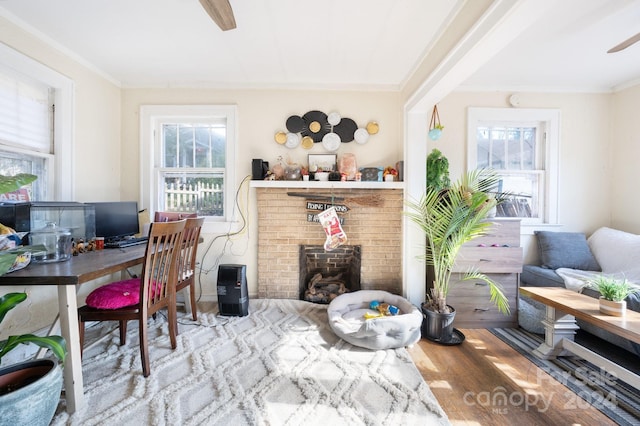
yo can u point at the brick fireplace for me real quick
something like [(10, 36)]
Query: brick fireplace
[(373, 222)]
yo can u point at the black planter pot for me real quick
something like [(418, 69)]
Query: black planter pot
[(437, 326), (35, 401)]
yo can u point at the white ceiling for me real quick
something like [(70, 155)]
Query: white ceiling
[(341, 44)]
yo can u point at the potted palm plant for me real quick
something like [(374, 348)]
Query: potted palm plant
[(612, 294), (450, 218)]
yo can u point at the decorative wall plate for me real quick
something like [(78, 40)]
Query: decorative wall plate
[(314, 127), (345, 129), (311, 129), (307, 142), (334, 118), (295, 124), (361, 136), (293, 140), (280, 137), (372, 127), (331, 142)]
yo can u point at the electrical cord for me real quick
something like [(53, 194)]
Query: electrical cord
[(198, 323), (226, 235), (229, 234)]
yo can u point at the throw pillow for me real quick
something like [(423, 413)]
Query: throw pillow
[(565, 250), (616, 251)]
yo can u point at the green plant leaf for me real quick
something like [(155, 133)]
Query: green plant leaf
[(612, 289), (6, 261), (437, 170), (12, 183), (56, 344), (10, 301)]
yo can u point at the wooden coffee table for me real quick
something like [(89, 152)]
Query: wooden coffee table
[(563, 307)]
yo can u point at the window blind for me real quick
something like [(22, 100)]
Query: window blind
[(24, 114)]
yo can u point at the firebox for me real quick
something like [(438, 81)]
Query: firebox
[(325, 275)]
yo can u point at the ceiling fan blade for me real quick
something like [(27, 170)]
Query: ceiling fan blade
[(628, 42), (221, 13)]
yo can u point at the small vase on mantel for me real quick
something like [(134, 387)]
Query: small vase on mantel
[(609, 307)]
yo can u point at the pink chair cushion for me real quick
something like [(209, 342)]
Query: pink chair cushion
[(115, 295)]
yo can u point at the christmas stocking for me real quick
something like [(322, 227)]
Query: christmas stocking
[(331, 224)]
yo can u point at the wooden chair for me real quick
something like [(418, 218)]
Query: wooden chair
[(171, 216), (191, 237), (139, 298), (187, 262)]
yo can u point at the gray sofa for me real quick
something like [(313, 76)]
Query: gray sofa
[(569, 259)]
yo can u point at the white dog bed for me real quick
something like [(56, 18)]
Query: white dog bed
[(346, 318)]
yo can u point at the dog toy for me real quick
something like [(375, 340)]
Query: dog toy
[(384, 309)]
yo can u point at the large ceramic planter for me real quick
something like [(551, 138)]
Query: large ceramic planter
[(616, 309), (437, 326), (34, 403)]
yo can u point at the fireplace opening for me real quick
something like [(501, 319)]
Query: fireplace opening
[(324, 275)]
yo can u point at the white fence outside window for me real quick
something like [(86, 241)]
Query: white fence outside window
[(204, 198)]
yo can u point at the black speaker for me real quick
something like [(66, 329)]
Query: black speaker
[(233, 296), (259, 169)]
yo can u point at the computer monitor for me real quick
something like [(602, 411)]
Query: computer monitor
[(117, 219)]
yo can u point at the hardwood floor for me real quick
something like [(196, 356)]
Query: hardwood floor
[(469, 380)]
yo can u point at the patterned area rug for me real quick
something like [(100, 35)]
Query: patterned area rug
[(594, 386), (280, 365)]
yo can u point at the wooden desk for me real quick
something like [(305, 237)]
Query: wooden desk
[(67, 275), (563, 307)]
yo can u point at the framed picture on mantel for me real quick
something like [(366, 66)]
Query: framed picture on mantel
[(322, 162)]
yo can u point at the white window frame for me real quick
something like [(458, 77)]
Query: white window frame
[(514, 117), (61, 164), (151, 117)]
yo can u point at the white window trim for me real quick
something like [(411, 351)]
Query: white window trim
[(552, 119), (150, 115), (63, 167)]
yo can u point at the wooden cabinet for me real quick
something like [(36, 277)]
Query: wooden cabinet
[(499, 256)]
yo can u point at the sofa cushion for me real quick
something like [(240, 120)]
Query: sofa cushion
[(565, 250), (537, 276), (615, 250)]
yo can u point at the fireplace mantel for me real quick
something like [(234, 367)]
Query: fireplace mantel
[(324, 184)]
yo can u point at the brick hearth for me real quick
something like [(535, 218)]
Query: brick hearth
[(283, 227)]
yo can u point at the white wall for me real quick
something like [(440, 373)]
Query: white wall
[(625, 138), (96, 163), (585, 176), (262, 113)]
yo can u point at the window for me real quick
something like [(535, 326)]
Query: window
[(25, 132), (13, 162), (29, 94), (521, 145), (188, 159)]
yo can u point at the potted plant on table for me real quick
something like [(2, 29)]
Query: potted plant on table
[(451, 217), (612, 294)]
